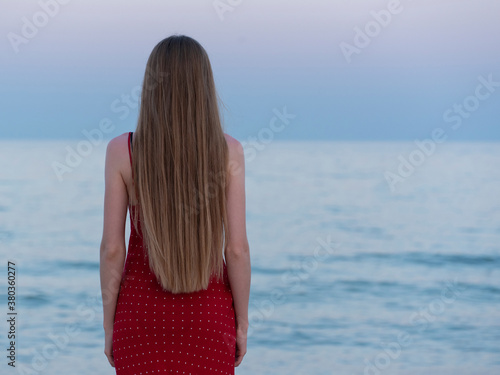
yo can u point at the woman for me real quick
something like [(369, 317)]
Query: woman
[(179, 304)]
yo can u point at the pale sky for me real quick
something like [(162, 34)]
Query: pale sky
[(424, 56)]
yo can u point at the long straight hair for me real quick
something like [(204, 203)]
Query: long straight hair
[(180, 167)]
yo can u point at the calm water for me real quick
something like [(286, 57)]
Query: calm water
[(349, 277)]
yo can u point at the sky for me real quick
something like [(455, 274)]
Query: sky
[(321, 69)]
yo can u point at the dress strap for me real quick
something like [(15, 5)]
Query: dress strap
[(131, 165), (130, 149)]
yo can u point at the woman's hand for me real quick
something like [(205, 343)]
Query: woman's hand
[(241, 345), (108, 347)]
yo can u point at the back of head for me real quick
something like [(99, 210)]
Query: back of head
[(180, 164)]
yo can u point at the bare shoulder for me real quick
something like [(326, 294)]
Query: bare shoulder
[(118, 143), (235, 147), (117, 150), (117, 146), (236, 165)]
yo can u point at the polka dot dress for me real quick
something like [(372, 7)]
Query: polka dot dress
[(158, 332)]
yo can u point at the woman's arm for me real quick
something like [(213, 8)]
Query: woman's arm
[(112, 252), (237, 252)]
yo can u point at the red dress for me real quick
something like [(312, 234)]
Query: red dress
[(159, 332)]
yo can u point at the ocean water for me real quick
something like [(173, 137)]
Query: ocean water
[(349, 276)]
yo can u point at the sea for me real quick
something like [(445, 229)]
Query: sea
[(367, 257)]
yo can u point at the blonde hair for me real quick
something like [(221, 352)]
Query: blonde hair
[(180, 167)]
